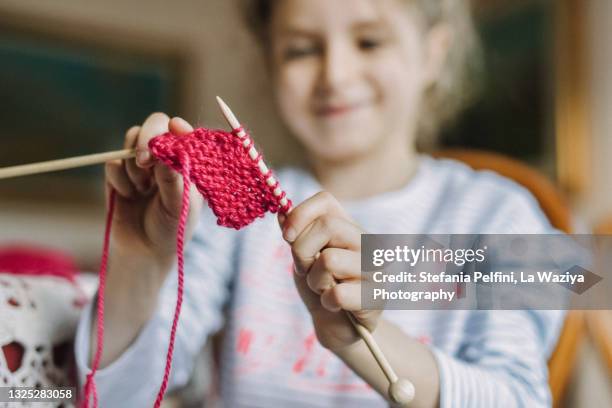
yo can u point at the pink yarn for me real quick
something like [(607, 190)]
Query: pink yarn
[(90, 384), (218, 163)]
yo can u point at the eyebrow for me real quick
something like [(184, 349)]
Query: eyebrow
[(297, 32), (356, 27), (369, 25)]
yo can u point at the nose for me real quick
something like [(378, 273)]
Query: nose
[(338, 68)]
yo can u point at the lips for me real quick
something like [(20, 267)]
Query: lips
[(337, 110)]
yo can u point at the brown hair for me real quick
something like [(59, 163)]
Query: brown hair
[(458, 82)]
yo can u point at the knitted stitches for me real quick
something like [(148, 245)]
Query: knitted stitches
[(230, 181), (238, 188)]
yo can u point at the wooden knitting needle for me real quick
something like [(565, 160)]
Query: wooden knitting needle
[(96, 158), (400, 390), (62, 164), (239, 131)]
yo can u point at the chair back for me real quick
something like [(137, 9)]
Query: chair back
[(563, 359)]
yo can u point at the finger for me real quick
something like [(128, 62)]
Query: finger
[(325, 231), (332, 266), (179, 126), (130, 137), (118, 179), (155, 125), (311, 299), (140, 177), (305, 213), (170, 185), (343, 296), (169, 181)]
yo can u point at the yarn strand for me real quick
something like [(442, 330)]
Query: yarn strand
[(90, 384), (239, 188), (180, 237)]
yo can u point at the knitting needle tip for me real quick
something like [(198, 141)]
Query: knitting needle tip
[(229, 115)]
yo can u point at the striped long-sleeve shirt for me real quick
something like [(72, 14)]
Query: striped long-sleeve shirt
[(241, 280)]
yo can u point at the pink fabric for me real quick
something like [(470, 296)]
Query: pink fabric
[(218, 163), (27, 259)]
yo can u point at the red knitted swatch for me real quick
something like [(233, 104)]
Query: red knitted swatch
[(227, 177), (219, 164)]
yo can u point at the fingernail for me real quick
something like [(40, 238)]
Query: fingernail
[(143, 156), (182, 121), (289, 234)]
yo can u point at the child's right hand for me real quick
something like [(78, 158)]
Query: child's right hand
[(143, 243), (149, 196)]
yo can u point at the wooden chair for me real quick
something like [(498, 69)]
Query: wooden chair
[(599, 322), (551, 201)]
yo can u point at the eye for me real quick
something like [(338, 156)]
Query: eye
[(369, 43), (292, 53)]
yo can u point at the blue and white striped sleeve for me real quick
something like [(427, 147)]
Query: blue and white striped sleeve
[(502, 360), (502, 356), (134, 378)]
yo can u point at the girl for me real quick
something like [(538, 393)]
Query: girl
[(356, 82)]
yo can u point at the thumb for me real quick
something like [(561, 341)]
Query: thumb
[(310, 298), (170, 186), (169, 181), (179, 126)]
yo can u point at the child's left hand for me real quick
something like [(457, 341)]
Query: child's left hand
[(326, 248)]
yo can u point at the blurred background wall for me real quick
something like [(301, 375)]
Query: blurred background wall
[(213, 56), (549, 65), (596, 203)]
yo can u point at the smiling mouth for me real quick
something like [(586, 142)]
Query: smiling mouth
[(337, 110)]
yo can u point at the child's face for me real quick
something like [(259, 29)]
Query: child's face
[(348, 74)]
